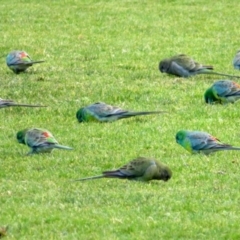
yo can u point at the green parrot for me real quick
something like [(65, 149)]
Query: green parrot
[(236, 60), (102, 112), (18, 61), (184, 66), (139, 169), (39, 140), (201, 142), (222, 91), (10, 103)]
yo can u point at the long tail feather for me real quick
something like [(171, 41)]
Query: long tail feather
[(132, 114), (233, 148), (21, 105), (33, 62), (63, 147), (89, 178), (26, 63), (223, 148), (222, 74), (114, 174), (208, 67)]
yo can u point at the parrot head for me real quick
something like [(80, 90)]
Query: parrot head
[(209, 96), (163, 66), (182, 139), (80, 115), (165, 174), (21, 136), (180, 136)]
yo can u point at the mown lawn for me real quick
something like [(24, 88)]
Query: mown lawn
[(109, 51)]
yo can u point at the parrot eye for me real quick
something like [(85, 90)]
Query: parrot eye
[(162, 68), (79, 116), (179, 137), (166, 176), (19, 136)]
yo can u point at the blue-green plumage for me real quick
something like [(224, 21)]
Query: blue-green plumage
[(39, 140), (102, 112), (201, 142), (18, 61), (222, 91)]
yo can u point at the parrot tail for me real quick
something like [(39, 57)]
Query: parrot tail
[(234, 148), (225, 147), (208, 67), (117, 174), (63, 147), (132, 114), (33, 62), (223, 74), (20, 105), (89, 178)]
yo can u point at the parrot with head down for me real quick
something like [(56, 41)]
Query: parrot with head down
[(222, 91), (39, 140), (201, 142), (102, 112), (10, 103), (139, 169), (19, 61), (184, 66)]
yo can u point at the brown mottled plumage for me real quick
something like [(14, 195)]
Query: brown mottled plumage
[(140, 169)]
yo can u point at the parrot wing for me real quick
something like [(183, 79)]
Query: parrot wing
[(185, 61), (39, 137), (133, 169), (104, 110)]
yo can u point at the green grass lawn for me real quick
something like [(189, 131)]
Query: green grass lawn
[(109, 51)]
